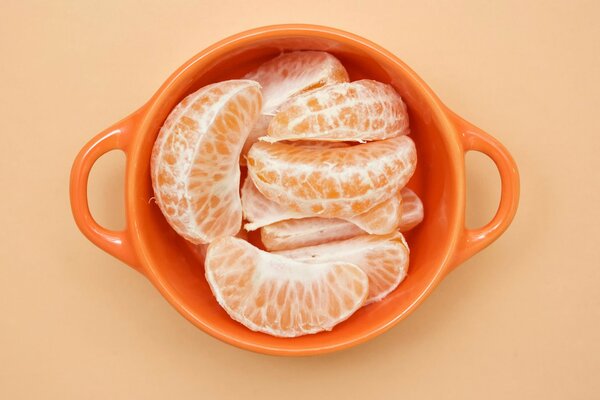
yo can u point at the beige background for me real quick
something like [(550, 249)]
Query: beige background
[(519, 320)]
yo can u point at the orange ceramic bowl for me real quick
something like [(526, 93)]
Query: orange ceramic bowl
[(438, 245)]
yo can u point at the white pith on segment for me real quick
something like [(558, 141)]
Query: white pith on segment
[(279, 296), (296, 72), (412, 210), (260, 211), (287, 75), (360, 111), (338, 182), (195, 160), (294, 233), (383, 258)]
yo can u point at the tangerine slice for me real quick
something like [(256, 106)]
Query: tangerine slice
[(293, 73), (359, 111), (279, 296), (382, 219), (260, 211), (332, 182), (383, 258), (412, 210), (195, 160), (294, 233), (287, 75)]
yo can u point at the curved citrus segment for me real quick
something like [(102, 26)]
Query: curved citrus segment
[(332, 182), (360, 111), (294, 233), (293, 73), (194, 165), (287, 75), (277, 295), (260, 129), (260, 211), (383, 258), (382, 219), (412, 210)]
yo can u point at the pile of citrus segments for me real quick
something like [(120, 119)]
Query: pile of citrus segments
[(325, 162)]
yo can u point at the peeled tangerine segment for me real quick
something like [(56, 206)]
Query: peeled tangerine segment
[(195, 160), (260, 211), (412, 210), (383, 258), (359, 111), (332, 182), (279, 296), (287, 75), (292, 234), (292, 73)]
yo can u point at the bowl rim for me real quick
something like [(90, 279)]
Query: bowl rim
[(448, 132)]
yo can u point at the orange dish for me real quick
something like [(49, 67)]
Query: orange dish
[(175, 266)]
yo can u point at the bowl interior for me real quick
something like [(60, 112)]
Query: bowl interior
[(174, 265)]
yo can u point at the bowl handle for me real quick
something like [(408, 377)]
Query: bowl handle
[(472, 241), (116, 243)]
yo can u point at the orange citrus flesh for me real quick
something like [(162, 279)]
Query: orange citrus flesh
[(330, 213), (195, 160), (412, 210), (277, 295), (359, 111), (332, 182), (287, 75), (382, 219), (293, 73), (294, 233), (383, 258)]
